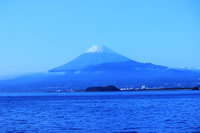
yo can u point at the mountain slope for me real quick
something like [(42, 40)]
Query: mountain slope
[(125, 66), (95, 55), (122, 78)]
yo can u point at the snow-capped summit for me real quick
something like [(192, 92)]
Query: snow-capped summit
[(101, 56), (93, 56), (99, 49)]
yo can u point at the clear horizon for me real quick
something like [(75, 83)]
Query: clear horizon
[(38, 35)]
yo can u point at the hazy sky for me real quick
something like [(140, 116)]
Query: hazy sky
[(37, 35)]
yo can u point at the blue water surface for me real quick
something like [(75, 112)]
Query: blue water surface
[(117, 112)]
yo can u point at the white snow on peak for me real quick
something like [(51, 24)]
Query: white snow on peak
[(95, 48), (98, 49)]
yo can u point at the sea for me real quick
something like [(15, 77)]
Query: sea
[(101, 112)]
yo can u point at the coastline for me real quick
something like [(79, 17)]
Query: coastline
[(84, 91)]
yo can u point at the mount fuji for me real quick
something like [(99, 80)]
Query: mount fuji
[(100, 66), (99, 56), (93, 56)]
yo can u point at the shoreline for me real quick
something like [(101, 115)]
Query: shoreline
[(84, 91)]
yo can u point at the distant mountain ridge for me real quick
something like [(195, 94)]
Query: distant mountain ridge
[(101, 66), (97, 55), (125, 66)]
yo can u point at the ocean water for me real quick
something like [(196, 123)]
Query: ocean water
[(110, 112)]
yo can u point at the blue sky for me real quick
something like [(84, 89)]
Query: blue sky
[(37, 35)]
